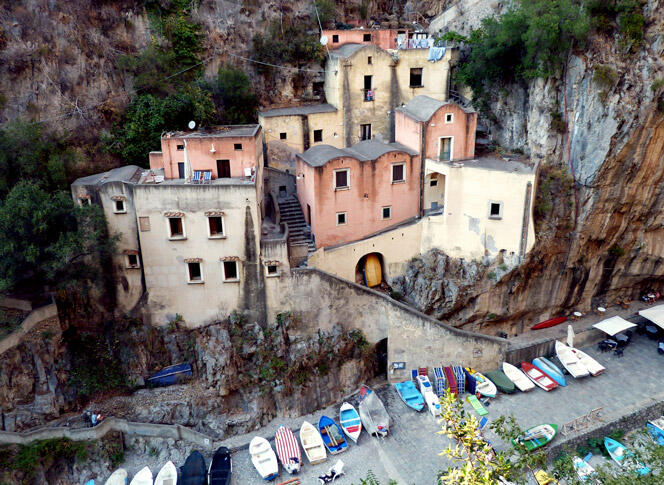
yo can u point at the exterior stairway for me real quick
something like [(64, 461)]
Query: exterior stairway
[(298, 231)]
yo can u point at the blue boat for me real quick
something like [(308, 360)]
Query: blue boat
[(622, 456), (332, 435), (173, 374), (656, 430), (551, 369), (410, 395)]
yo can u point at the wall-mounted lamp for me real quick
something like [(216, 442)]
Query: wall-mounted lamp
[(212, 150)]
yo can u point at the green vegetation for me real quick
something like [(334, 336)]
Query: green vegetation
[(27, 459), (554, 181), (657, 84), (605, 76), (235, 101), (9, 322), (558, 123), (287, 43), (326, 11), (624, 16), (616, 251)]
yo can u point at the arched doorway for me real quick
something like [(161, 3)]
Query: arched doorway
[(370, 270)]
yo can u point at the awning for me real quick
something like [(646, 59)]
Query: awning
[(614, 325), (654, 314)]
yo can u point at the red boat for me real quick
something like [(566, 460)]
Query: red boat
[(539, 377), (549, 323), (450, 380)]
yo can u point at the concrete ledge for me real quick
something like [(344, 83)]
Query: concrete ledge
[(30, 322), (24, 305)]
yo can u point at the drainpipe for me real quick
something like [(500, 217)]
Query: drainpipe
[(423, 127)]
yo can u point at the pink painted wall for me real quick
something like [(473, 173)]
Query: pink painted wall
[(363, 214), (200, 157), (383, 38), (462, 129), (407, 131)]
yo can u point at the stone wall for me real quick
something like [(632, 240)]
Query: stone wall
[(321, 300)]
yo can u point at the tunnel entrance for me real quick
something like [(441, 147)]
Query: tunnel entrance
[(370, 270)]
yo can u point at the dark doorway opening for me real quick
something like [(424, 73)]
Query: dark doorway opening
[(381, 358)]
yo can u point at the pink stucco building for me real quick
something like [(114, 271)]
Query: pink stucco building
[(347, 194), (225, 151), (383, 38), (441, 130)]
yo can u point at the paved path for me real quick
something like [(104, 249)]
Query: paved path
[(410, 454)]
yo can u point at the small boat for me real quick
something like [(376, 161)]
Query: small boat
[(373, 413), (551, 369), (539, 377), (312, 444), (552, 322), (410, 395), (143, 477), (221, 467), (173, 374), (450, 380), (193, 472), (519, 379), (543, 478), (168, 475), (460, 377), (583, 469), (656, 430), (118, 477), (482, 384), (537, 436), (501, 381), (594, 367), (372, 270), (433, 404), (570, 361), (90, 482), (471, 383), (332, 435), (350, 421), (623, 457), (288, 450), (263, 458)]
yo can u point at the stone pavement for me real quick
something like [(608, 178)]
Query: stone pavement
[(410, 454)]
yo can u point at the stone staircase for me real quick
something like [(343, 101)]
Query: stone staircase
[(298, 232)]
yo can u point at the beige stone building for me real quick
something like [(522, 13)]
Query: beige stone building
[(364, 84)]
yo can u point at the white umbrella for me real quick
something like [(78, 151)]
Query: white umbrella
[(654, 314), (570, 336), (614, 325)]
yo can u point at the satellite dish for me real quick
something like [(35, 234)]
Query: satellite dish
[(323, 40), (192, 125)]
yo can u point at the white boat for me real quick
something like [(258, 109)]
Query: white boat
[(483, 385), (168, 475), (570, 361), (350, 422), (118, 477), (264, 458), (594, 367), (433, 403), (519, 379), (143, 477), (312, 443), (583, 469)]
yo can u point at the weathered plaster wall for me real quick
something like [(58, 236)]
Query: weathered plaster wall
[(294, 125), (435, 75), (461, 129), (383, 38), (413, 337)]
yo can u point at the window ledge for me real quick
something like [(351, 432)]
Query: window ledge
[(495, 218), (272, 275), (177, 238), (195, 282), (398, 182), (235, 280), (119, 212), (221, 236), (413, 87), (341, 188), (132, 267)]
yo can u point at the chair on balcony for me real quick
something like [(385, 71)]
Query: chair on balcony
[(196, 179), (207, 176)]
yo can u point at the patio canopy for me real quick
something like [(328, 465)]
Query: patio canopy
[(614, 325), (654, 314)]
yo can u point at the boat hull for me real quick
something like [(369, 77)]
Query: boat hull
[(332, 435), (540, 378), (350, 421), (552, 322), (312, 444), (538, 436), (410, 395), (501, 381), (372, 412), (544, 364), (288, 450)]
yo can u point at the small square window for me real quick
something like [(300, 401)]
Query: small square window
[(366, 38), (132, 261), (231, 271), (495, 210), (369, 60), (194, 272), (180, 147), (216, 226), (341, 179), (282, 135), (398, 173), (416, 77), (238, 146), (144, 223), (119, 207), (318, 135), (272, 270), (433, 183), (175, 228), (341, 218), (449, 118), (335, 38), (84, 201), (387, 212)]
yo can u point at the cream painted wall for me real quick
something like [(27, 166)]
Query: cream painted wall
[(435, 75), (163, 260), (293, 126)]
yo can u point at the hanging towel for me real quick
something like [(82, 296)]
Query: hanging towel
[(436, 53)]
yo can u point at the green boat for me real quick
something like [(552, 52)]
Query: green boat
[(538, 436), (501, 381)]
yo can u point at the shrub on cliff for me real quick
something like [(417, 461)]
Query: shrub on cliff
[(233, 96), (286, 44)]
